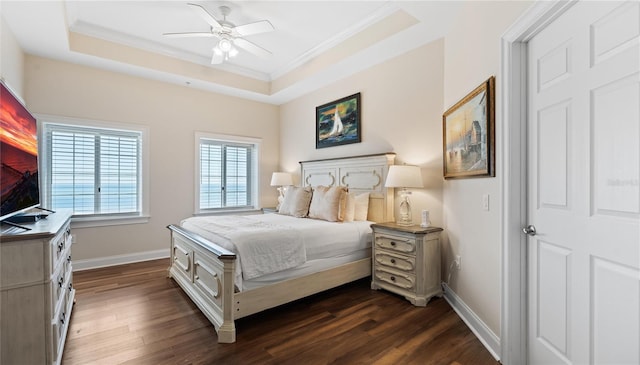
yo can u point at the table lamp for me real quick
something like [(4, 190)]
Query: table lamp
[(281, 180), (404, 176)]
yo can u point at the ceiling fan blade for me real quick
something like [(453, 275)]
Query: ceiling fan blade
[(189, 34), (262, 26), (251, 47), (204, 14), (217, 58)]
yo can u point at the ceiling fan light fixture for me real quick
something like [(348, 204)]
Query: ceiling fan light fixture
[(230, 36), (225, 45)]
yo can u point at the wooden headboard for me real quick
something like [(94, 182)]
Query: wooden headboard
[(360, 174)]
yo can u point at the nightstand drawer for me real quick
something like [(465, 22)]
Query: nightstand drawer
[(396, 278), (406, 263), (396, 243)]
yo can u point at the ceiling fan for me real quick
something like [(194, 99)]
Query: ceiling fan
[(229, 35)]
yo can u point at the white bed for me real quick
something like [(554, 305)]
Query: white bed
[(205, 264)]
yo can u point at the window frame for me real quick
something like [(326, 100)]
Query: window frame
[(255, 166), (102, 219)]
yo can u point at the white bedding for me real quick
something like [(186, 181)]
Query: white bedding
[(309, 267), (319, 239), (264, 247)]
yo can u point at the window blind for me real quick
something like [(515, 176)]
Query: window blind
[(94, 171), (225, 175)]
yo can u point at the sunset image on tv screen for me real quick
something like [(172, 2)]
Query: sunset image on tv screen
[(18, 155)]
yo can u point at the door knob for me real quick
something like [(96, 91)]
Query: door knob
[(529, 230)]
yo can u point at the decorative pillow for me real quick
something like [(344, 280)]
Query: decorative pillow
[(328, 203), (349, 207), (361, 210), (296, 201)]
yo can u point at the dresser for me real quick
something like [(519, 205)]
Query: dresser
[(36, 291), (406, 261)]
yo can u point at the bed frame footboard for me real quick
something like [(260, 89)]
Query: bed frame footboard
[(205, 272)]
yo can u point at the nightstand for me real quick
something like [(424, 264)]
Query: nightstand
[(406, 261)]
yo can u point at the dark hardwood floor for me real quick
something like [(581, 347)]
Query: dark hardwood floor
[(134, 314)]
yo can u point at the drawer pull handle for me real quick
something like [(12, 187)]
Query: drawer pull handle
[(60, 246), (62, 318), (60, 281), (70, 286), (69, 258), (393, 261)]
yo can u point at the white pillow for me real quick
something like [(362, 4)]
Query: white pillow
[(328, 203), (361, 207), (296, 201)]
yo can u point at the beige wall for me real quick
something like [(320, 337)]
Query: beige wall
[(11, 60), (472, 55), (401, 113), (172, 114)]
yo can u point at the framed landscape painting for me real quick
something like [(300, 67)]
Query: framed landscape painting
[(469, 134), (338, 122)]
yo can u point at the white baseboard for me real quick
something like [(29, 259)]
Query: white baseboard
[(477, 326), (79, 265)]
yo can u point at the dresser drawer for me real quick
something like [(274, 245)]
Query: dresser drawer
[(57, 290), (395, 243), (406, 263), (396, 278), (60, 247), (59, 325)]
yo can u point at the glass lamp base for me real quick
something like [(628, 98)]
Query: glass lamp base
[(403, 223), (405, 218)]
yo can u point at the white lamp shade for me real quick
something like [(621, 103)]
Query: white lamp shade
[(404, 176), (281, 179)]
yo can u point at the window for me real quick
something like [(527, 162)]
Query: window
[(95, 171), (227, 170)]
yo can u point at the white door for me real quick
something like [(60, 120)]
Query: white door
[(584, 186)]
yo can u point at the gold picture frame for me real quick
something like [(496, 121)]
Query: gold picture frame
[(468, 130)]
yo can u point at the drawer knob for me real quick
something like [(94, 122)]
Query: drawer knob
[(393, 243), (393, 278), (393, 261)]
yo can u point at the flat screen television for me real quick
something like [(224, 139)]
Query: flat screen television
[(18, 156)]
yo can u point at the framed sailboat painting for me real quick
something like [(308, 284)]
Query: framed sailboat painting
[(338, 122)]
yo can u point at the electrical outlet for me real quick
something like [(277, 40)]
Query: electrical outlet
[(458, 262)]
